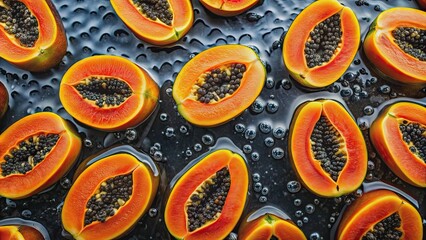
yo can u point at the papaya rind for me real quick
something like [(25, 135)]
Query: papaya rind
[(228, 8)]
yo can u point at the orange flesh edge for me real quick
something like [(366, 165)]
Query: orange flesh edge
[(386, 55), (175, 215), (293, 49), (225, 109), (152, 31), (387, 139), (228, 7), (52, 167), (88, 182), (10, 233)]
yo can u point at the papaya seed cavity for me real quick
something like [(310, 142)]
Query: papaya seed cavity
[(155, 9), (412, 41)]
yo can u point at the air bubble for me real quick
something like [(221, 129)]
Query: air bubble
[(265, 191), (257, 187), (258, 106), (332, 219), (370, 165), (153, 212), (294, 186), (10, 203), (298, 213), (277, 153), (256, 177), (169, 91), (347, 92), (247, 149), (255, 156), (270, 83), (157, 156), (65, 183), (263, 199), (188, 153), (305, 219), (286, 84), (131, 134), (299, 223), (239, 127), (265, 127), (207, 139), (385, 89), (26, 213), (310, 208), (358, 193), (198, 147), (269, 142), (183, 129), (164, 117), (279, 132), (297, 202), (170, 132), (250, 133), (272, 106), (349, 76), (315, 236)]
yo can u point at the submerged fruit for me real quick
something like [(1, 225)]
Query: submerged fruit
[(35, 152), (327, 149), (208, 199), (108, 92), (380, 214), (218, 84), (158, 22), (399, 135), (321, 43), (396, 44), (265, 225), (20, 233), (4, 99), (109, 197), (228, 8), (32, 36)]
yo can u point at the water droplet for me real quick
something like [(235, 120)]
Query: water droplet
[(131, 134), (239, 127), (26, 213), (188, 153), (65, 183), (207, 139), (305, 219), (349, 76), (265, 191), (247, 149), (338, 200), (310, 208), (10, 203), (170, 132), (358, 192), (277, 153), (332, 219), (316, 201), (256, 177), (270, 83), (299, 223), (265, 127), (272, 106), (258, 106), (263, 199), (370, 165), (297, 202), (377, 8), (385, 89), (286, 84), (250, 133), (253, 17), (368, 110), (169, 91), (164, 117), (153, 212), (357, 61), (198, 147), (257, 187), (315, 236), (347, 92), (183, 129), (279, 132), (356, 88), (269, 142), (232, 236), (298, 213), (88, 143), (157, 156), (294, 186), (255, 156)]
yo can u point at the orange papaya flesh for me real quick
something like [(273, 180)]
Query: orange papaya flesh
[(268, 226), (383, 51), (399, 136), (361, 217), (221, 108), (20, 233), (93, 183), (50, 45), (296, 54), (308, 158), (4, 100), (132, 92), (228, 8), (156, 31), (61, 142), (222, 166)]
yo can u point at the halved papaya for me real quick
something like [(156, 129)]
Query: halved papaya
[(269, 226), (228, 8), (108, 93), (380, 214), (35, 152), (395, 44), (321, 43), (220, 178), (399, 136), (4, 99), (108, 197), (37, 45), (20, 233), (218, 84), (327, 149), (158, 22)]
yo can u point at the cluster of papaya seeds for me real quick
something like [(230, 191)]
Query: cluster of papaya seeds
[(211, 90), (321, 43), (35, 152), (228, 8), (269, 223), (32, 36), (109, 93), (327, 149), (4, 99), (158, 22), (396, 45), (380, 214), (108, 197), (399, 136), (208, 199)]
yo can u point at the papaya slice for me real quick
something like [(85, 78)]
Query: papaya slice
[(269, 226), (228, 8), (108, 93), (380, 214), (220, 177), (399, 136), (395, 44), (37, 45), (157, 22), (327, 149), (321, 43), (35, 152), (109, 197), (218, 84), (4, 100), (20, 233)]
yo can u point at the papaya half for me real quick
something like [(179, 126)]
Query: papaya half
[(399, 136), (395, 44), (380, 214), (228, 8), (321, 43), (4, 99), (35, 152), (268, 226), (218, 84), (327, 149), (108, 197), (207, 201), (108, 93), (157, 22), (32, 36), (21, 232)]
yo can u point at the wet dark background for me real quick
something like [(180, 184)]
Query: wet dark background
[(260, 132)]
